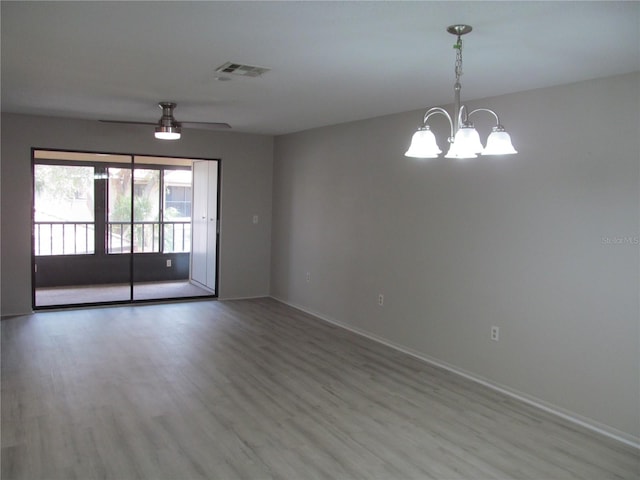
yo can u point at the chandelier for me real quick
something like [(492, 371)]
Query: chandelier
[(464, 139)]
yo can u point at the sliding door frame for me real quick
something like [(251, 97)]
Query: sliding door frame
[(104, 244)]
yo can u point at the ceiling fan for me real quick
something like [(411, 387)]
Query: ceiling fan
[(167, 128)]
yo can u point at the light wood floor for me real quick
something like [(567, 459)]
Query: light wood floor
[(256, 390), (46, 297)]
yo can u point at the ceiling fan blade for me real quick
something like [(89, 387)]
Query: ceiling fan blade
[(196, 125), (205, 125), (127, 122)]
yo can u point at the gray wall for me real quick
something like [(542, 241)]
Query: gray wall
[(543, 244), (247, 162)]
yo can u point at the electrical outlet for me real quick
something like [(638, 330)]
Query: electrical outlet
[(495, 334), (381, 299), (168, 262), (308, 277), (255, 219)]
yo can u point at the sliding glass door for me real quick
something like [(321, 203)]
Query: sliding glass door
[(113, 228), (71, 265)]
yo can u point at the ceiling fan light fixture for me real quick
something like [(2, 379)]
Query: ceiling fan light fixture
[(167, 132), (168, 128)]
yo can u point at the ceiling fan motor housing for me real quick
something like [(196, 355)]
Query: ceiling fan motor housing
[(167, 119)]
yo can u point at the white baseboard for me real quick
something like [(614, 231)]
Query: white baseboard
[(573, 417), (244, 298), (6, 316)]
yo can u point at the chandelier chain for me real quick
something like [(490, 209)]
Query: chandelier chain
[(458, 66)]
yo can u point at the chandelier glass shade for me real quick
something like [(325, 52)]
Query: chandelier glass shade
[(498, 143), (464, 140), (423, 144)]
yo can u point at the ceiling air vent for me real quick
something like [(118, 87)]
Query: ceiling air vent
[(241, 70)]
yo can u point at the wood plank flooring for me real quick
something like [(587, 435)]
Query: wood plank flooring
[(254, 389), (46, 297)]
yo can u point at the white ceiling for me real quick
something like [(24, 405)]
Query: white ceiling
[(331, 62)]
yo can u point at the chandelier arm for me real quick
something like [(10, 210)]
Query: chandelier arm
[(486, 110), (433, 111), (462, 117)]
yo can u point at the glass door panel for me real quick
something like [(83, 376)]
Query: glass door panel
[(162, 216), (71, 259), (146, 211), (119, 231)]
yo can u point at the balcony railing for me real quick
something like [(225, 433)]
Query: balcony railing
[(78, 238), (64, 238), (146, 235), (177, 236)]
